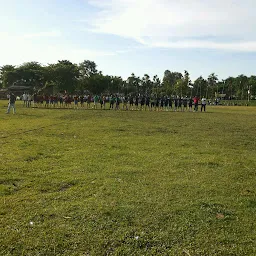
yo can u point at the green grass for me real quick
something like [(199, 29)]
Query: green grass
[(238, 102), (91, 182)]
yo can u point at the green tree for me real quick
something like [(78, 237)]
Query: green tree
[(31, 74), (87, 68), (186, 82), (182, 85), (116, 85), (63, 76), (200, 87), (156, 84), (212, 88), (98, 83), (230, 87), (170, 81), (8, 76), (146, 85), (133, 83), (252, 87), (241, 83)]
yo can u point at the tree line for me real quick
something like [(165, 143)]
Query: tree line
[(65, 76)]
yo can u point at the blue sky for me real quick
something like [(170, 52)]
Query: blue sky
[(140, 36)]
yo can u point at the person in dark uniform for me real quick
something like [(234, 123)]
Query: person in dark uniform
[(170, 103), (180, 104), (185, 104), (125, 102), (142, 102), (61, 100), (190, 104), (175, 104), (147, 103), (81, 99), (136, 102), (131, 102), (162, 103), (111, 102), (11, 104), (152, 104), (117, 101), (157, 103), (166, 103)]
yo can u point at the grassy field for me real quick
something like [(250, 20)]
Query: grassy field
[(91, 182), (238, 103)]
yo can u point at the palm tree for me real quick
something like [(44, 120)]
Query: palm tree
[(212, 81)]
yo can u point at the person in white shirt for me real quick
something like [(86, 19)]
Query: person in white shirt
[(203, 104), (25, 98), (29, 99)]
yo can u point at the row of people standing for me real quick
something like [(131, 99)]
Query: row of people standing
[(27, 99), (138, 102)]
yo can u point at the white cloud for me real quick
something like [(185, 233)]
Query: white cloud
[(53, 33), (17, 50), (218, 24), (232, 46), (92, 53)]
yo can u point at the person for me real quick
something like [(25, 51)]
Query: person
[(185, 104), (175, 103), (66, 101), (101, 101), (111, 100), (81, 100), (75, 100), (95, 101), (190, 104), (125, 101), (142, 102), (88, 101), (203, 104), (136, 102), (29, 99), (157, 104), (35, 100), (196, 100), (104, 101), (25, 98), (152, 104), (11, 104), (46, 98), (61, 100), (131, 102), (180, 104), (69, 101), (170, 103), (166, 103), (161, 103), (51, 100), (55, 101), (117, 101), (147, 103)]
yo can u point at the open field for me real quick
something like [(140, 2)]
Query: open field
[(238, 102), (91, 182)]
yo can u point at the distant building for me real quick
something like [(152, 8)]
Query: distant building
[(18, 90)]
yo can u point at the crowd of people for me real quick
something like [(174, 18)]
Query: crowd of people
[(116, 102), (112, 102)]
